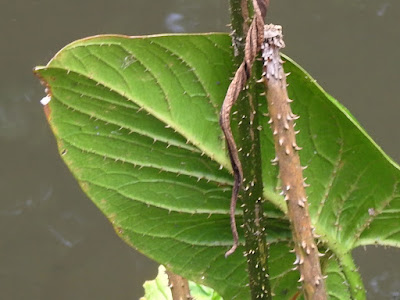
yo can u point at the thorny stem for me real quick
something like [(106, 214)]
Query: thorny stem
[(251, 194), (254, 38), (179, 286), (238, 30), (282, 122), (248, 151)]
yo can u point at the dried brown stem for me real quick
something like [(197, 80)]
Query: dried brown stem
[(179, 286), (290, 171)]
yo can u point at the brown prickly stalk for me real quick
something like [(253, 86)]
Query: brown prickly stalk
[(282, 122), (179, 286)]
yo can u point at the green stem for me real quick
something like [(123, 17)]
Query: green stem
[(251, 194), (346, 262), (241, 15), (236, 16), (247, 139), (353, 277)]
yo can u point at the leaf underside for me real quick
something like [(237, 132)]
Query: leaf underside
[(136, 121)]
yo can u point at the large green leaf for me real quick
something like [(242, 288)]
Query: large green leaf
[(354, 186), (136, 120)]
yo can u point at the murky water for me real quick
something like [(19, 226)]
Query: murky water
[(54, 243)]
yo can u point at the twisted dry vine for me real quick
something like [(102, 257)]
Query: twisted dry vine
[(254, 39)]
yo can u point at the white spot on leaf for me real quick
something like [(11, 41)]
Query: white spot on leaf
[(45, 100)]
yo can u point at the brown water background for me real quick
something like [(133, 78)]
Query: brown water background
[(54, 243)]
